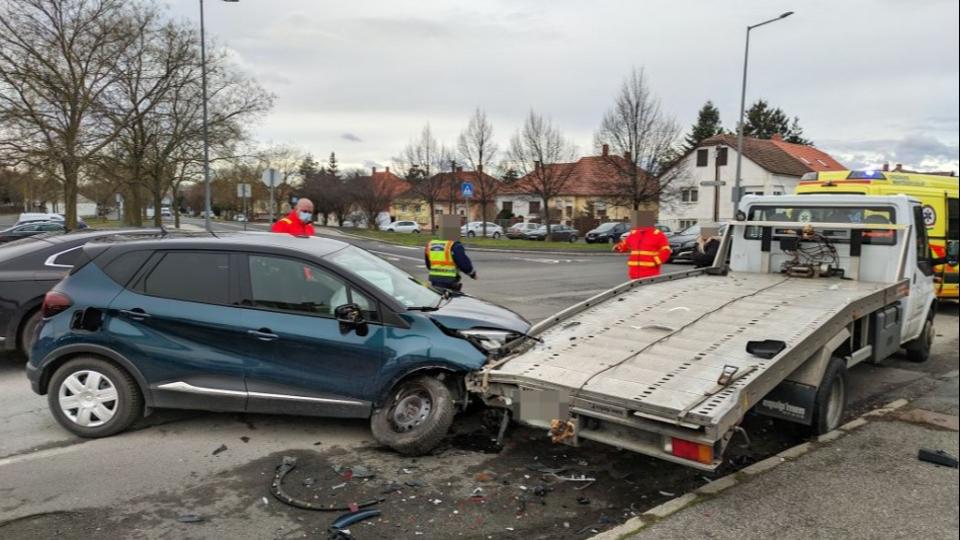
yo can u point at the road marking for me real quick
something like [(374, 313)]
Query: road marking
[(42, 454), (393, 256), (548, 261)]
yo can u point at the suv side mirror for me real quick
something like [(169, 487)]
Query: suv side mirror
[(350, 317)]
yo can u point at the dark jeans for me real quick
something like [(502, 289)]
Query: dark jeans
[(442, 283)]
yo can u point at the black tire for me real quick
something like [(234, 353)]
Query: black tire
[(610, 240), (828, 406), (471, 234), (573, 239), (496, 236), (128, 406), (28, 332), (416, 231), (421, 434), (918, 350)]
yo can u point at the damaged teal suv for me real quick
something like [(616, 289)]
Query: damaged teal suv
[(259, 323)]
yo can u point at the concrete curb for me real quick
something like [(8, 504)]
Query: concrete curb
[(491, 250), (636, 524)]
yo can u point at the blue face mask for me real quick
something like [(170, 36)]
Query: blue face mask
[(305, 216)]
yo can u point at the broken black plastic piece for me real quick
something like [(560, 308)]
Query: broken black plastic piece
[(767, 348), (938, 457)]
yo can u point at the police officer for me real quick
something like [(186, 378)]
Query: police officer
[(446, 258), (297, 222), (647, 247)]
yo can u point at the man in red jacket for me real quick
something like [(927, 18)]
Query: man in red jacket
[(648, 248), (297, 222)]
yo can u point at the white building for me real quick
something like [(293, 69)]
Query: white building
[(769, 167)]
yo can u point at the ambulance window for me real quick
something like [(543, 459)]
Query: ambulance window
[(953, 219)]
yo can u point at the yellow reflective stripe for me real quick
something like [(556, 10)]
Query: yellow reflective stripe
[(286, 220), (657, 260), (641, 263), (650, 253)]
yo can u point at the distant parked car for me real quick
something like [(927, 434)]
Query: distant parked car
[(402, 227), (166, 212), (475, 228), (240, 217), (558, 233), (607, 232), (665, 229), (30, 229), (33, 217), (520, 230)]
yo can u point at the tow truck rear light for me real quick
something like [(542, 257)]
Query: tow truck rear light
[(55, 302), (702, 453)]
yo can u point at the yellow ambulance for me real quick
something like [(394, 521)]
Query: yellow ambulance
[(937, 193)]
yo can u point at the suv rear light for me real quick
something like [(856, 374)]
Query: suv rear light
[(702, 453), (55, 302)]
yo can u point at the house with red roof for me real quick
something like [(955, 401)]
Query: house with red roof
[(586, 192), (703, 179)]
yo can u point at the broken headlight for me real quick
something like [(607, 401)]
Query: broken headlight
[(488, 339)]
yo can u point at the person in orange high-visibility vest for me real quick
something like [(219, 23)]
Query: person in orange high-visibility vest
[(647, 248)]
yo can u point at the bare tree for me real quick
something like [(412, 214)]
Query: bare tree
[(545, 158), (372, 195), (420, 161), (643, 139), (57, 61), (478, 150)]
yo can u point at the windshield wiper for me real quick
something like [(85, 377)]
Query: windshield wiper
[(422, 308)]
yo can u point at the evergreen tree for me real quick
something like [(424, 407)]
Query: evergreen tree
[(332, 165), (763, 122), (708, 125), (308, 167)]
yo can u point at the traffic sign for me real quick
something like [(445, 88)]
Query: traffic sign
[(466, 189), (271, 177), (244, 191)]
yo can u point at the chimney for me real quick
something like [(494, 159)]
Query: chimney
[(898, 168), (388, 170), (536, 165), (776, 137), (886, 167), (627, 155), (479, 170), (459, 169), (374, 170), (606, 150)]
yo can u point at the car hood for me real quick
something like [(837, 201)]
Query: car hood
[(680, 239), (465, 312)]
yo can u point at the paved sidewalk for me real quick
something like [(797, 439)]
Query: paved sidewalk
[(867, 483)]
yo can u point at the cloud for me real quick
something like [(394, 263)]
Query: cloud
[(351, 137), (914, 151)]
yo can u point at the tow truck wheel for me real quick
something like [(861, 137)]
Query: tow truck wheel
[(918, 350), (831, 398), (416, 416)]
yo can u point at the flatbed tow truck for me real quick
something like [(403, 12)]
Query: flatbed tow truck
[(802, 289)]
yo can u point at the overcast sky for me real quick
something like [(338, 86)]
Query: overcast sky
[(871, 81)]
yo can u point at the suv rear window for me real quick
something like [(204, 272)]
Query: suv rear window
[(125, 266), (192, 276)]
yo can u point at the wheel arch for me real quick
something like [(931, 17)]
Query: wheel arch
[(62, 355)]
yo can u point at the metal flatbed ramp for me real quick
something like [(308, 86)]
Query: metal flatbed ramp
[(660, 350)]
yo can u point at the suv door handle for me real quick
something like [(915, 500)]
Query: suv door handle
[(136, 314), (263, 334)]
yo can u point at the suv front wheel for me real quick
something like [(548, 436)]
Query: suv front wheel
[(415, 417), (94, 398)]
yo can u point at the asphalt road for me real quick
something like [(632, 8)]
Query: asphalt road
[(137, 484)]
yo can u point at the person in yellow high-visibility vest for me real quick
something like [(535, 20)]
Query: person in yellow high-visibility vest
[(446, 258)]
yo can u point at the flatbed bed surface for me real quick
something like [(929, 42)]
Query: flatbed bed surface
[(660, 349)]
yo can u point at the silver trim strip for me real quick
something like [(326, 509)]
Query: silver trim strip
[(180, 386), (50, 259)]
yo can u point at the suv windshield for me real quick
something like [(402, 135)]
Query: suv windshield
[(386, 277), (604, 227)]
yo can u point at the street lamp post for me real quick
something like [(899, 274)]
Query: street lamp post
[(206, 141), (743, 98)]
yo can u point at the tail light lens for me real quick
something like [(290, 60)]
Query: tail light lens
[(702, 453), (55, 302)]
